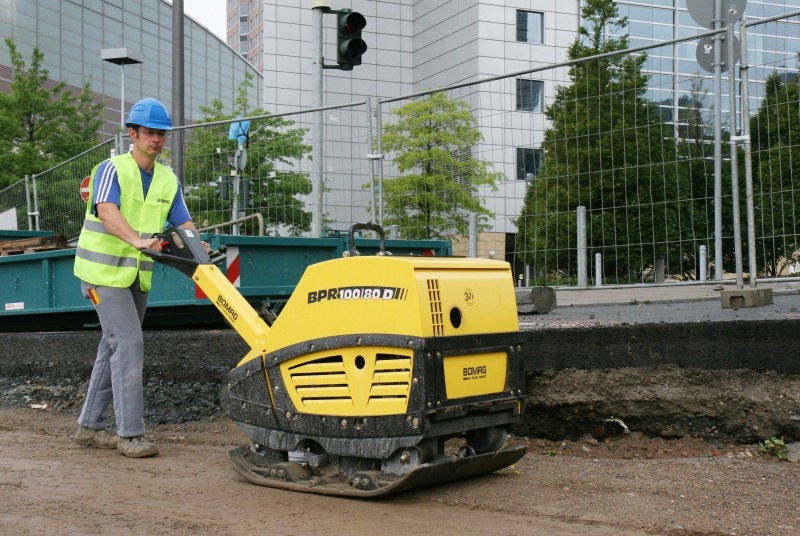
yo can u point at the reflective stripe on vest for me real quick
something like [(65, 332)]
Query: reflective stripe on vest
[(103, 259)]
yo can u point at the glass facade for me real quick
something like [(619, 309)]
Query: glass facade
[(71, 34), (673, 68)]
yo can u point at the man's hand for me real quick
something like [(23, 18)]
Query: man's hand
[(190, 225), (148, 243)]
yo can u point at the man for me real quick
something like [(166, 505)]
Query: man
[(132, 197)]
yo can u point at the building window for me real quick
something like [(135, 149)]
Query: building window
[(530, 27), (529, 95), (528, 161)]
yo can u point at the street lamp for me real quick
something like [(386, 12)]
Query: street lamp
[(122, 57)]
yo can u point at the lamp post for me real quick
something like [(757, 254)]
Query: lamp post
[(122, 57)]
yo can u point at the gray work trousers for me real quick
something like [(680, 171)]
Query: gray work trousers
[(117, 371)]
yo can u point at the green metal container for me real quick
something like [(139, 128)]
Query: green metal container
[(39, 292)]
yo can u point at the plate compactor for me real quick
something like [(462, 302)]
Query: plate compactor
[(373, 363)]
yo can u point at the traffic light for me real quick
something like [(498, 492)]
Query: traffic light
[(224, 188), (349, 46), (245, 192)]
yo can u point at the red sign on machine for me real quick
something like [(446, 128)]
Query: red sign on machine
[(85, 189), (233, 271)]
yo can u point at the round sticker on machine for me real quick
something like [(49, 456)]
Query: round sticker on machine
[(85, 189), (469, 296)]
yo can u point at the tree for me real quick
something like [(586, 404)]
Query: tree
[(40, 125), (775, 135), (605, 150), (273, 146), (695, 146), (85, 122), (433, 140)]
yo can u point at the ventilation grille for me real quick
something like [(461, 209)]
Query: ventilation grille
[(352, 384), (435, 299), (321, 379)]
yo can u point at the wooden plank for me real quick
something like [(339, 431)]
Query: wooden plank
[(31, 245)]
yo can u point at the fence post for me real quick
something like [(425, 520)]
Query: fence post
[(718, 24), (371, 160), (379, 128), (703, 262), (582, 268), (658, 269), (598, 269), (737, 229), (748, 157), (28, 208), (473, 235), (394, 232), (35, 212)]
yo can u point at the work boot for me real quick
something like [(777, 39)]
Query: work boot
[(100, 439), (136, 447)]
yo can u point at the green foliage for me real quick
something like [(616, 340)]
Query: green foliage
[(272, 143), (696, 205), (775, 135), (432, 140), (775, 447), (598, 153), (553, 281), (85, 123), (41, 126)]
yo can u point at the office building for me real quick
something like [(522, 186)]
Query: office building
[(419, 44), (72, 33)]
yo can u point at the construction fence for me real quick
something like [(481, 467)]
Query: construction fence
[(671, 175)]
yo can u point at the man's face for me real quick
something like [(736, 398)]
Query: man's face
[(149, 141)]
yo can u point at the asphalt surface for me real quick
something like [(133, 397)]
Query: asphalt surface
[(605, 327), (662, 303)]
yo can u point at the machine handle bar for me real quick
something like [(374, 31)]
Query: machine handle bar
[(368, 226)]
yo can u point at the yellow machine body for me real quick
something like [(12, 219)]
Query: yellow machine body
[(401, 296), (371, 365), (413, 296)]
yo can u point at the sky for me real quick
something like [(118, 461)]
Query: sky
[(209, 13)]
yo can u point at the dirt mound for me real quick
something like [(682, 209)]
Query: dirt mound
[(737, 406)]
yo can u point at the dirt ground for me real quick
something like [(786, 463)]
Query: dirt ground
[(624, 485)]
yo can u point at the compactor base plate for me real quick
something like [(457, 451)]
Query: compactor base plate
[(443, 469)]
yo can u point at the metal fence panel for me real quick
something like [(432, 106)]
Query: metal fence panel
[(14, 211), (58, 192), (269, 171), (774, 101), (628, 136), (637, 152)]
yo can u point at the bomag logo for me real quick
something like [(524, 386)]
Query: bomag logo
[(223, 305), (357, 293), (475, 373)]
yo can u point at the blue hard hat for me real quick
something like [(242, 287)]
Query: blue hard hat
[(150, 113)]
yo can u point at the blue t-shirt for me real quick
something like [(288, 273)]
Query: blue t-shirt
[(106, 190)]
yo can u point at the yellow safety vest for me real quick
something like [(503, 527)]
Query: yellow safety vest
[(103, 259)]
